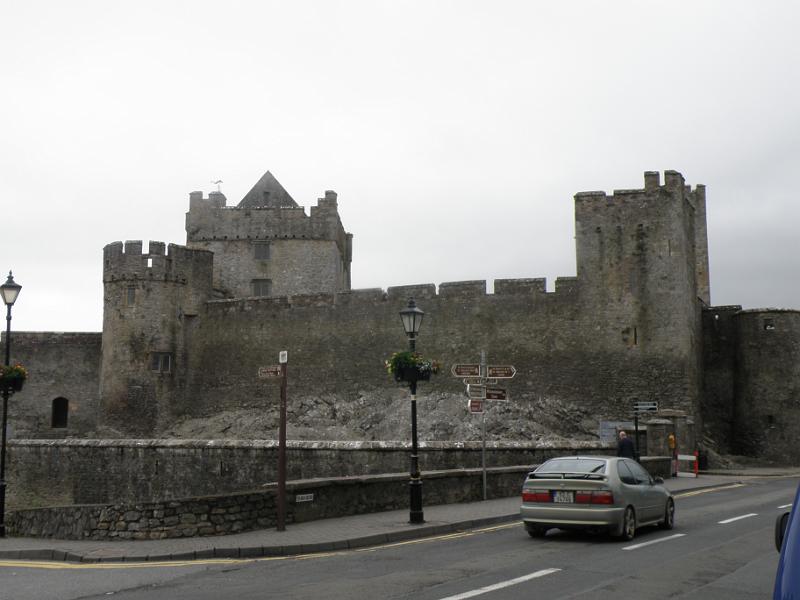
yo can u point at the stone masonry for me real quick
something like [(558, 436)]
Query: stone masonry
[(186, 328)]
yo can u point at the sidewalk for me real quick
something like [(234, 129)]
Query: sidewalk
[(320, 536)]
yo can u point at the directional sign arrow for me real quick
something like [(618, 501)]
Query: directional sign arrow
[(475, 406), (269, 372), (496, 394), (501, 371), (476, 391), (645, 406), (469, 370)]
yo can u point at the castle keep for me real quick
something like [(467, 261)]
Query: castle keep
[(185, 329)]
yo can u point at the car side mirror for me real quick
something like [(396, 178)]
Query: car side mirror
[(780, 530), (658, 480)]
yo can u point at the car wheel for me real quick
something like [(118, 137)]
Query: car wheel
[(628, 525), (536, 532), (669, 515)]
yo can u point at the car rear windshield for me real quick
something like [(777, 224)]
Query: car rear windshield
[(566, 467)]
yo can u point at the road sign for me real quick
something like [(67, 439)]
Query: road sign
[(474, 380), (476, 391), (475, 406), (645, 407), (471, 370), (496, 394), (269, 372), (501, 371)]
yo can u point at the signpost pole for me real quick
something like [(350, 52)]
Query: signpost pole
[(484, 372), (483, 454), (281, 503)]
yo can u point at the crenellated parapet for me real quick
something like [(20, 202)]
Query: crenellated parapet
[(173, 263), (455, 292), (210, 220)]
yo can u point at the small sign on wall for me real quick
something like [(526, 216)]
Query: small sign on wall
[(304, 498)]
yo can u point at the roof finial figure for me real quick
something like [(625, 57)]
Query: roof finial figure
[(216, 183)]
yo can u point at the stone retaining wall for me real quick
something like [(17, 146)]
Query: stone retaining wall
[(306, 501), (72, 471)]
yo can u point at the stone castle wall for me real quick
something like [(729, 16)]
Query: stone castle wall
[(337, 344), (767, 401), (625, 329), (60, 365)]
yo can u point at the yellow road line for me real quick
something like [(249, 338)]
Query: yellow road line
[(707, 490)]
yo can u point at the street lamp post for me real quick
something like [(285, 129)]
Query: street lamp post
[(412, 319), (9, 291)]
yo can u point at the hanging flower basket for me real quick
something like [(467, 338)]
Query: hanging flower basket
[(12, 378), (410, 367)]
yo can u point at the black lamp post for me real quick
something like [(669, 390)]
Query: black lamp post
[(9, 291), (412, 319)]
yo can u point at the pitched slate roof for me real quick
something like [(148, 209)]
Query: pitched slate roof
[(269, 193)]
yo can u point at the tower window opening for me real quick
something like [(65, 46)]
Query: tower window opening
[(769, 325), (59, 413), (262, 287), (149, 263), (131, 295), (161, 362), (261, 250)]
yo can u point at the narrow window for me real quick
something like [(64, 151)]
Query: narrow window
[(149, 263), (261, 250), (161, 362), (59, 413), (262, 287), (131, 295), (769, 325), (635, 336)]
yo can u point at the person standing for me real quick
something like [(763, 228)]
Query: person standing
[(673, 451), (625, 446)]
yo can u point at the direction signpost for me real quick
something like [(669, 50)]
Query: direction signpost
[(642, 407), (279, 372), (476, 378)]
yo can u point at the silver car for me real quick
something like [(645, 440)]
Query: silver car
[(594, 492)]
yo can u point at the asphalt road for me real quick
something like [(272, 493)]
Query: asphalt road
[(721, 548)]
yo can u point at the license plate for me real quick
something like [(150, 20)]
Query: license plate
[(564, 497)]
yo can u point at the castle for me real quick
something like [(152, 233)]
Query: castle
[(185, 328)]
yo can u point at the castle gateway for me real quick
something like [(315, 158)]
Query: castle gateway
[(186, 328)]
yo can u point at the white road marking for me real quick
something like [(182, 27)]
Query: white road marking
[(643, 544), (737, 518), (501, 585), (785, 506)]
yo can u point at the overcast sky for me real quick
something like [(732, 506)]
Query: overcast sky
[(455, 133)]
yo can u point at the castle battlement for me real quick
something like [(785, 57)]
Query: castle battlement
[(211, 220), (674, 184), (565, 287), (172, 263)]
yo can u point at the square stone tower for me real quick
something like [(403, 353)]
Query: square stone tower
[(268, 246)]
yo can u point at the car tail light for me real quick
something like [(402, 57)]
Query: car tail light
[(583, 497), (536, 496), (602, 497)]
